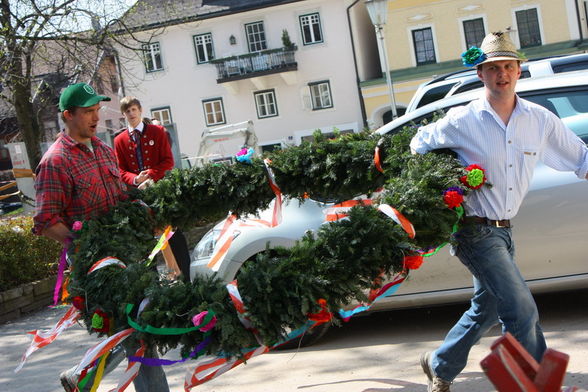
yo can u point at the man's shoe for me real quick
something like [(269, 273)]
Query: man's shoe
[(436, 384), (69, 380)]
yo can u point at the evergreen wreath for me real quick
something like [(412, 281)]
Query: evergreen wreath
[(281, 288)]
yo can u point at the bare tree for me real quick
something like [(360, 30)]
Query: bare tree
[(46, 44)]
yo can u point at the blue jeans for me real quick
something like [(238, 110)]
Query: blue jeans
[(500, 295)]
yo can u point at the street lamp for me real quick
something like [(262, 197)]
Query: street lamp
[(378, 11)]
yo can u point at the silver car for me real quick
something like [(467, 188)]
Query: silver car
[(551, 228)]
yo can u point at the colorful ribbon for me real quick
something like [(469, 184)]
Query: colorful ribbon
[(43, 338), (164, 331), (386, 291), (277, 215), (398, 218), (161, 244), (212, 367), (60, 272), (131, 371), (339, 211), (166, 362), (105, 262), (102, 348)]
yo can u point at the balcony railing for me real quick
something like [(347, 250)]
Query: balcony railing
[(255, 64)]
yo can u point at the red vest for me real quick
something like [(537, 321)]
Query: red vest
[(155, 149)]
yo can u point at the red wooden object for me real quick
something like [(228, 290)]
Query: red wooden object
[(512, 369)]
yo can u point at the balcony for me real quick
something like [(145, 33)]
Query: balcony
[(252, 65)]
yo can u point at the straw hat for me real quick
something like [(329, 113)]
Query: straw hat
[(495, 47)]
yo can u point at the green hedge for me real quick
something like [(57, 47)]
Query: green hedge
[(24, 257)]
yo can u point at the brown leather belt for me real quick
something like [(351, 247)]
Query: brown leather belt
[(486, 221)]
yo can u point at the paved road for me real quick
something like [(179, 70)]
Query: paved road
[(377, 353)]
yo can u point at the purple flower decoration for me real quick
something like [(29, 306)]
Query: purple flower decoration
[(77, 226), (454, 188), (244, 156)]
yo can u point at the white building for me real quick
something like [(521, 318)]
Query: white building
[(209, 63)]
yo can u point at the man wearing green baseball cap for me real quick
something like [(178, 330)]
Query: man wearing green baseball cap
[(77, 179)]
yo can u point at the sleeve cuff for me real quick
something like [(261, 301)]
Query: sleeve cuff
[(42, 225)]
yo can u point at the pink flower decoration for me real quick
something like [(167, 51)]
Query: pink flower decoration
[(199, 318), (77, 226)]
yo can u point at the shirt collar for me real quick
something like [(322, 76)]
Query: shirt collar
[(70, 142), (482, 105), (139, 128)]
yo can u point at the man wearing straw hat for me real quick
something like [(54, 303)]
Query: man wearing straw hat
[(505, 135)]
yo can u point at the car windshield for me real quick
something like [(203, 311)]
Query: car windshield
[(571, 105)]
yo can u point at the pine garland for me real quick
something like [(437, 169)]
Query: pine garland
[(282, 287)]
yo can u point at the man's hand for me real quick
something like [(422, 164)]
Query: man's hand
[(58, 232), (141, 177)]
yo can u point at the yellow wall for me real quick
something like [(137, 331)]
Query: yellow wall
[(445, 17)]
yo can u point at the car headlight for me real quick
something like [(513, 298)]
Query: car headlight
[(205, 248)]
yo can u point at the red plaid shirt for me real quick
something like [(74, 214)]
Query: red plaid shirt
[(75, 184)]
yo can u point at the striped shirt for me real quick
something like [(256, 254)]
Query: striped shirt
[(508, 153), (74, 183)]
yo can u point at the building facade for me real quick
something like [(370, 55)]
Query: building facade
[(287, 66), (425, 38)]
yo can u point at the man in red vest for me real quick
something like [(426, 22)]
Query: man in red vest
[(142, 150), (144, 154)]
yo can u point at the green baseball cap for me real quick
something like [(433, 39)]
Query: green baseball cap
[(80, 95)]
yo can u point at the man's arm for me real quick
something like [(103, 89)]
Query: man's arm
[(53, 190), (164, 153), (58, 232)]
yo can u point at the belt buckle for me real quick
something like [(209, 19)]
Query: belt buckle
[(497, 223)]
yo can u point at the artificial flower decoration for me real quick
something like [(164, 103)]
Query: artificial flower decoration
[(100, 321), (78, 302), (473, 56), (475, 177), (453, 197), (77, 226), (198, 319), (244, 156), (324, 315), (413, 262)]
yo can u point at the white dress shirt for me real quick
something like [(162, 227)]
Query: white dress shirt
[(507, 153)]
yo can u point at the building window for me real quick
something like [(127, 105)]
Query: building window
[(255, 36), (214, 111), (528, 26), (163, 115), (311, 29), (271, 147), (320, 94), (204, 48), (109, 125), (152, 54), (474, 32), (265, 101), (424, 48), (114, 84)]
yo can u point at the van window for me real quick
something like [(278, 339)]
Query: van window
[(435, 94)]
